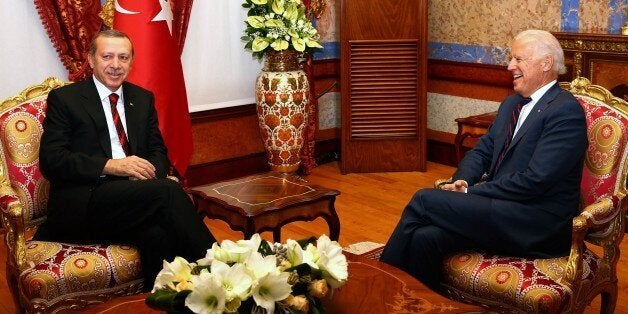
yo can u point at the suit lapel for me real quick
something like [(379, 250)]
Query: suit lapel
[(130, 112), (93, 106), (539, 109)]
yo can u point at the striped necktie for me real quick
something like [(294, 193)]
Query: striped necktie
[(511, 128), (113, 99)]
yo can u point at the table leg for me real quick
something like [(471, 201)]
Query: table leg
[(333, 221), (458, 143), (277, 235)]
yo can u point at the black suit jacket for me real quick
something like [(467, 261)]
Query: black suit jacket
[(75, 144)]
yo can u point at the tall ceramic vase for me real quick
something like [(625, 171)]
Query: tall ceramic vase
[(282, 94)]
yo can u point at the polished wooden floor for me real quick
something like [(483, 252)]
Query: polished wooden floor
[(369, 206)]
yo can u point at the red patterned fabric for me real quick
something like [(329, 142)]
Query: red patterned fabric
[(608, 134), (71, 26), (61, 270), (528, 285), (20, 130)]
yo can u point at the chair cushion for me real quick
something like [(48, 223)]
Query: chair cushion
[(525, 284), (60, 270)]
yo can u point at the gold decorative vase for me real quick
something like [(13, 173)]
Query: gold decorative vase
[(282, 93)]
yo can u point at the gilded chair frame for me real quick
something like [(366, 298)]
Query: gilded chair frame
[(600, 224)]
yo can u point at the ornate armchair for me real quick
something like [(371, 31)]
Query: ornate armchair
[(49, 276), (566, 284)]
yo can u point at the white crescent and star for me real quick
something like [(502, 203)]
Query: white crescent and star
[(164, 15)]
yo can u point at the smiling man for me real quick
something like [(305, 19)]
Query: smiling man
[(106, 161), (517, 190)]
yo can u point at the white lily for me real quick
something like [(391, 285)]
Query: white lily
[(230, 252), (331, 261), (208, 295), (174, 274), (271, 288), (259, 266), (253, 243), (235, 280), (294, 253)]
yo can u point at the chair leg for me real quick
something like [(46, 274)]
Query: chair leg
[(15, 293), (609, 300)]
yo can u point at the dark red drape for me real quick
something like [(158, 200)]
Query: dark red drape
[(308, 162), (70, 26), (181, 12)]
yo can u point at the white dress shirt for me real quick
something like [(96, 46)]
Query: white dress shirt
[(527, 108), (103, 92)]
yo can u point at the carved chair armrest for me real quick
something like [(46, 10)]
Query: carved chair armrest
[(13, 221), (440, 182), (594, 217)]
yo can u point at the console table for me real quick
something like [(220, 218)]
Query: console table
[(474, 127), (266, 202)]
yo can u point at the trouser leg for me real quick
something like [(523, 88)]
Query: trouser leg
[(418, 246), (157, 216)]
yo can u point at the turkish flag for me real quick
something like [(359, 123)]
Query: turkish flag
[(157, 67)]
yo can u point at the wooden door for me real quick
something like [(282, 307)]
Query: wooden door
[(383, 77)]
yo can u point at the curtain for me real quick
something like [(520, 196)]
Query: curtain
[(181, 13), (308, 162), (70, 26)]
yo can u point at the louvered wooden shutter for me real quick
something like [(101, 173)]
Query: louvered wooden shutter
[(383, 74)]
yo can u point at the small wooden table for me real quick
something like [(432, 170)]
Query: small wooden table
[(266, 202), (474, 127), (373, 287)]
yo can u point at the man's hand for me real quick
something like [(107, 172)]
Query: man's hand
[(458, 186), (134, 167)]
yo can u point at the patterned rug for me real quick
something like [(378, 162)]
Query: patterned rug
[(370, 250)]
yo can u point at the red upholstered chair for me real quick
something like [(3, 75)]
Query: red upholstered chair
[(48, 276), (566, 284)]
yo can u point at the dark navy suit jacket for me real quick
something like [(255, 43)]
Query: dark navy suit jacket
[(542, 168)]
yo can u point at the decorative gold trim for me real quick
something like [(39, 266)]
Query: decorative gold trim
[(594, 45), (106, 14), (583, 86), (31, 92)]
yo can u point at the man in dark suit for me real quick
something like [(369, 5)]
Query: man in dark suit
[(106, 162), (517, 190)]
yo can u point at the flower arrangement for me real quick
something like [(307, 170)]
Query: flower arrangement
[(278, 25), (250, 275)]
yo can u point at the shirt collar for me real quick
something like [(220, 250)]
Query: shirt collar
[(103, 91), (541, 91)]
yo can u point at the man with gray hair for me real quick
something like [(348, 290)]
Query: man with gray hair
[(517, 191)]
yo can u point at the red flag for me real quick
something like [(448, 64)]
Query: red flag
[(157, 67)]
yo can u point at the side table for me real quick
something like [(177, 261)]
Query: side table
[(266, 202), (473, 126)]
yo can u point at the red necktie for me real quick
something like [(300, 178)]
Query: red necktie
[(511, 128), (113, 99)]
